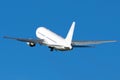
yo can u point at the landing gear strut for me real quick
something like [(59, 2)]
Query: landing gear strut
[(51, 48)]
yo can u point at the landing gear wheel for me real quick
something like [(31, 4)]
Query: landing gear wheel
[(51, 48)]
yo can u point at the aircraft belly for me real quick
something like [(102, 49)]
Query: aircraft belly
[(62, 48)]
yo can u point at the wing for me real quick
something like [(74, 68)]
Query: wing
[(86, 43), (25, 39)]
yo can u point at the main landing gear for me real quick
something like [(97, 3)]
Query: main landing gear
[(51, 48)]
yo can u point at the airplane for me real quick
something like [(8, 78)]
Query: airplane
[(55, 42)]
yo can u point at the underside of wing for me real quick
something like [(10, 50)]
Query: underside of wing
[(25, 39), (86, 43)]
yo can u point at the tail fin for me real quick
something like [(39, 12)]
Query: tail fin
[(70, 33)]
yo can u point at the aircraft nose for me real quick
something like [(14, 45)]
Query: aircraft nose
[(39, 29)]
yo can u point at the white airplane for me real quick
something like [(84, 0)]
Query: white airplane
[(56, 42)]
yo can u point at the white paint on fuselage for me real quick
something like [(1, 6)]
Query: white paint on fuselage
[(51, 39)]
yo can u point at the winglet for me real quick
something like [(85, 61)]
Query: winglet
[(70, 33)]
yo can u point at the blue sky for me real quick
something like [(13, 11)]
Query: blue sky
[(95, 20)]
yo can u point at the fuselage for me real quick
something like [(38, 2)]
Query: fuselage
[(51, 39)]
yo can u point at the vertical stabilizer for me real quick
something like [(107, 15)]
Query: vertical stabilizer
[(70, 33)]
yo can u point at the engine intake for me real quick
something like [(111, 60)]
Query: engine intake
[(31, 44)]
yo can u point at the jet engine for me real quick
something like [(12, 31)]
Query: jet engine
[(31, 44)]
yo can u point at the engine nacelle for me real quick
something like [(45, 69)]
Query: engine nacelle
[(31, 44)]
